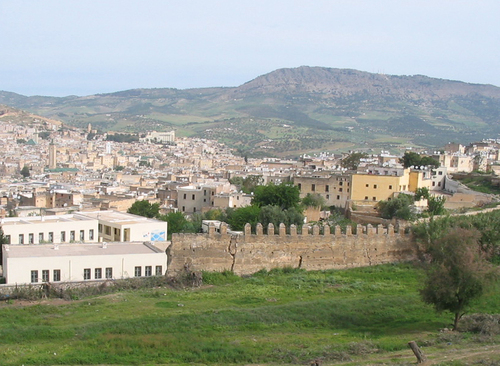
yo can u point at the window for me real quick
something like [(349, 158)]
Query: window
[(100, 228), (98, 273), (91, 234), (40, 237), (367, 185), (439, 184), (440, 173), (57, 275), (194, 209), (300, 186), (433, 184), (45, 275), (341, 183), (327, 196), (327, 188), (366, 197), (21, 238), (137, 272), (51, 237), (185, 195), (340, 189), (313, 187), (31, 238), (375, 186), (390, 186), (72, 235), (338, 197), (159, 270), (63, 236), (109, 272), (107, 230), (183, 208), (192, 197), (204, 192), (374, 198), (7, 239), (148, 271), (34, 276), (86, 274)]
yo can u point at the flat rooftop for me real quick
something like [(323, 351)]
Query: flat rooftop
[(68, 250), (31, 220), (117, 217)]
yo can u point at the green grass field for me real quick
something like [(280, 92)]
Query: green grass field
[(279, 317)]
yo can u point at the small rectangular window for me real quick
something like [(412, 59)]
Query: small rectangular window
[(390, 186), (34, 276), (51, 237), (374, 198), (148, 271), (63, 236), (338, 197), (21, 238), (98, 273), (31, 238), (375, 186), (45, 275), (367, 185), (82, 235), (57, 275), (313, 187), (86, 274), (91, 234), (109, 272), (7, 239), (185, 195), (159, 270), (366, 197), (193, 197), (40, 237), (72, 235), (300, 186), (340, 189), (327, 188), (138, 271)]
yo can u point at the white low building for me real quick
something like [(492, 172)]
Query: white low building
[(50, 229), (42, 263), (122, 226)]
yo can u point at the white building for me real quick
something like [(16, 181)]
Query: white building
[(24, 264), (122, 226), (50, 229), (83, 227)]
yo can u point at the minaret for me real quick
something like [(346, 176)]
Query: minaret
[(52, 156)]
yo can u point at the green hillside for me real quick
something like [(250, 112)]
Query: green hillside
[(291, 111), (286, 316)]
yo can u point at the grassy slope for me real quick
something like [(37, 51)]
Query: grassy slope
[(268, 318)]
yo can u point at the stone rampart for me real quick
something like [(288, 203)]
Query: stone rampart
[(314, 249)]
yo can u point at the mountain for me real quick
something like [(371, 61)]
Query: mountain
[(293, 111)]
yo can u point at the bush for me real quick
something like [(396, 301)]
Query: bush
[(487, 324)]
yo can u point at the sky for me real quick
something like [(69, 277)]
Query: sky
[(84, 47)]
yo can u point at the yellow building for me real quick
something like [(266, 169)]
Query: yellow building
[(372, 187)]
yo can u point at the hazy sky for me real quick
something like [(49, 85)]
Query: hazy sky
[(64, 47)]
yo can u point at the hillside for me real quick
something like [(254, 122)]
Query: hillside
[(292, 111)]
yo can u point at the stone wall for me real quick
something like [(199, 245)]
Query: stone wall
[(315, 249)]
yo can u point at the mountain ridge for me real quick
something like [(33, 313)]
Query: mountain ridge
[(292, 111)]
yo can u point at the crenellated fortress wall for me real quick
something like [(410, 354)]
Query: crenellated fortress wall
[(314, 249)]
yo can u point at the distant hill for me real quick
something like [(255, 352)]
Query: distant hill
[(293, 111)]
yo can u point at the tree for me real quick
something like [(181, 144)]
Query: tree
[(144, 208), (399, 207), (237, 218), (352, 161), (458, 272), (422, 193), (284, 195), (411, 158), (313, 200), (25, 171), (436, 205), (275, 215)]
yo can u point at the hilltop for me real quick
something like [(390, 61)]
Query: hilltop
[(295, 110)]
